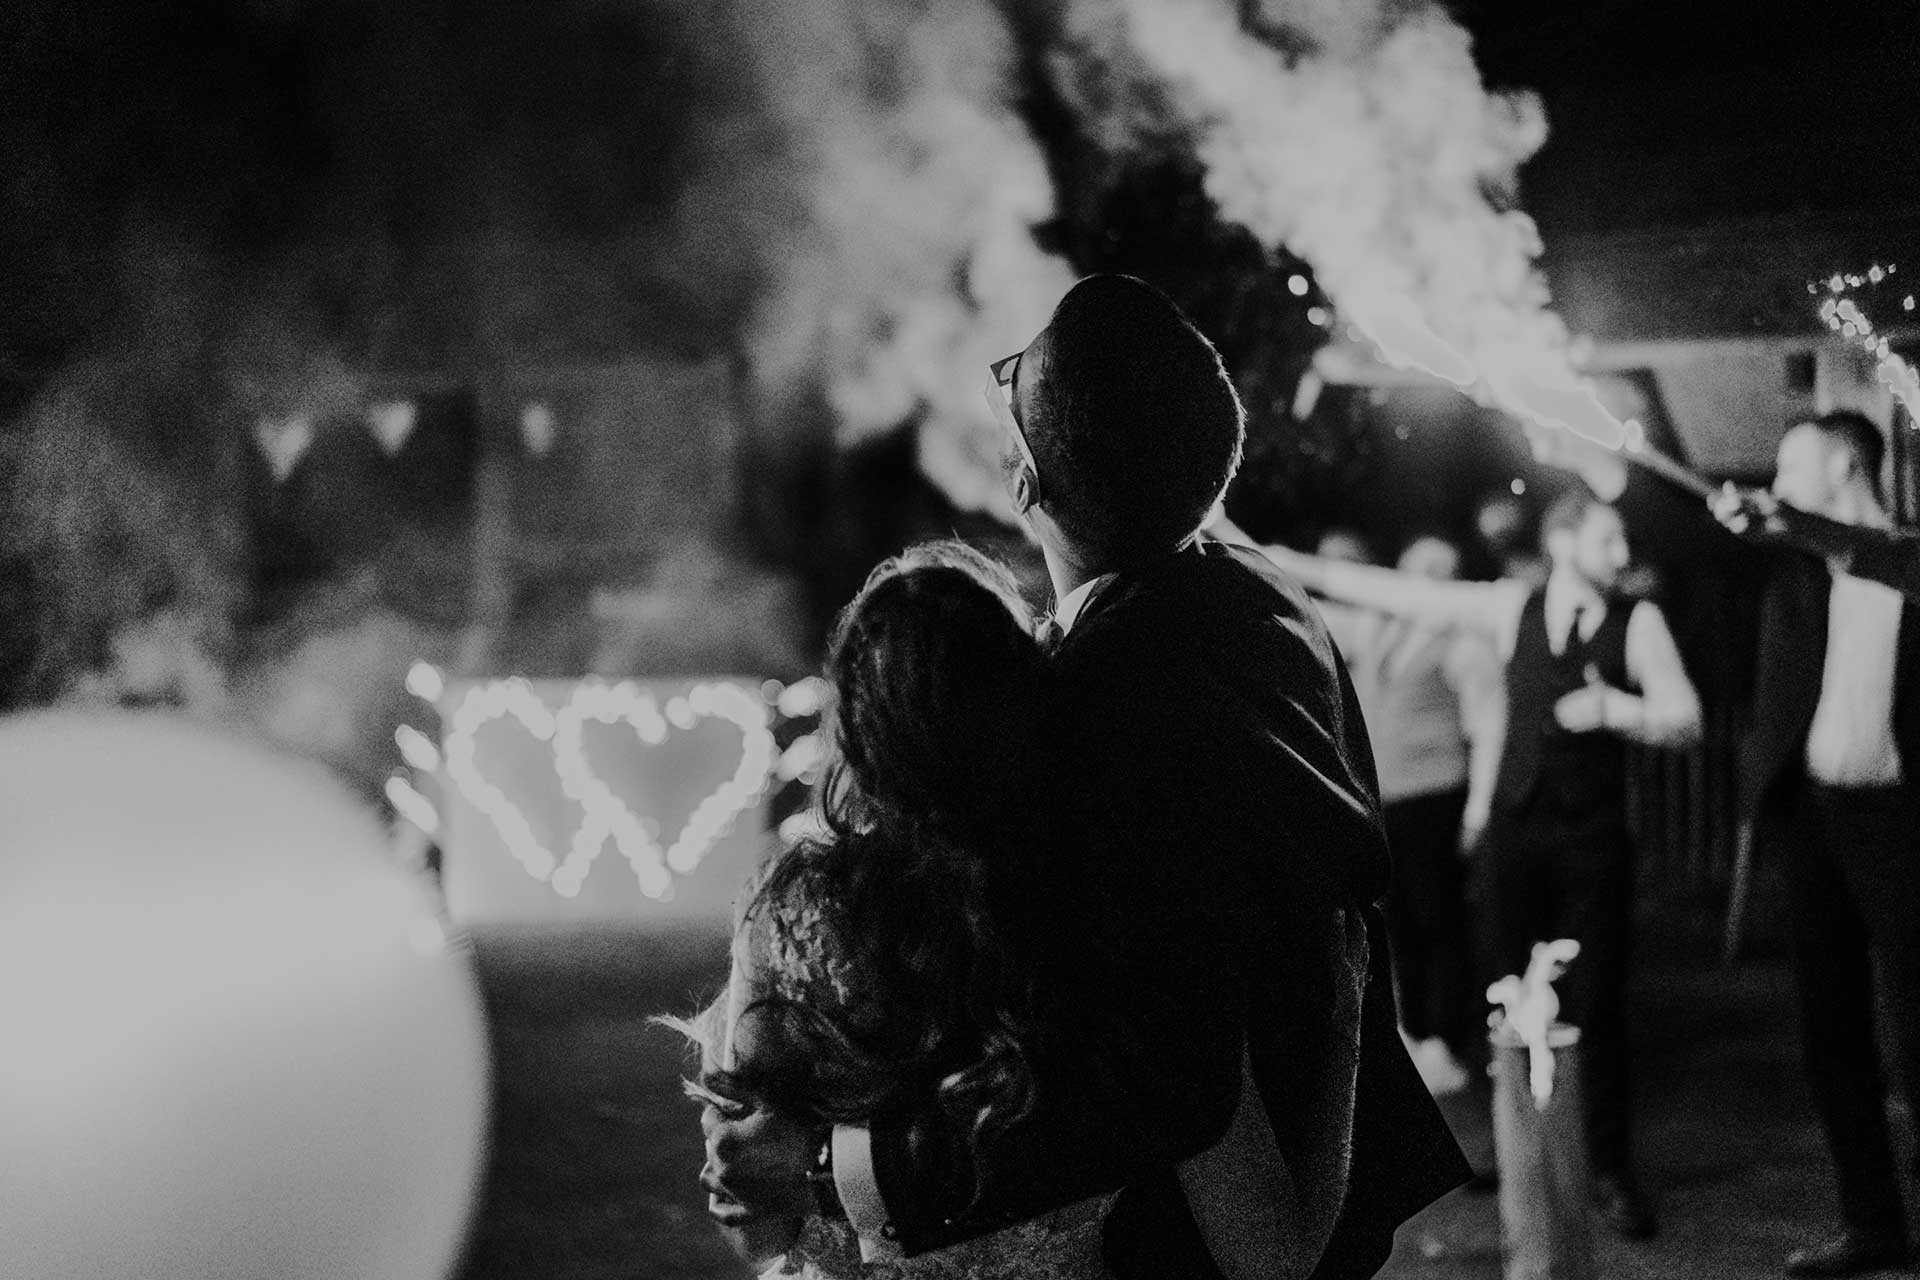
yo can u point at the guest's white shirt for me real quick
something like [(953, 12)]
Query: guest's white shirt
[(1075, 600), (1851, 742)]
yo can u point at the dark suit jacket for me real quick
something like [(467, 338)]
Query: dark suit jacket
[(1788, 672), (1213, 836)]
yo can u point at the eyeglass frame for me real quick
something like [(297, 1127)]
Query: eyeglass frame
[(999, 392)]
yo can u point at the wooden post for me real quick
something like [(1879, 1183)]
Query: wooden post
[(490, 600), (1738, 894), (1546, 1192)]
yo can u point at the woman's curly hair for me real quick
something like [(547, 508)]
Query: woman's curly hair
[(927, 860)]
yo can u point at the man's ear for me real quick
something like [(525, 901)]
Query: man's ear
[(1026, 490)]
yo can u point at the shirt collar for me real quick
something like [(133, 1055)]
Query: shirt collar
[(1076, 600), (1568, 595)]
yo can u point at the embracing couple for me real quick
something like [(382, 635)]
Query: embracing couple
[(1087, 976)]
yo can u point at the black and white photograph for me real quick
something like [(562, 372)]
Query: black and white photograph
[(959, 639)]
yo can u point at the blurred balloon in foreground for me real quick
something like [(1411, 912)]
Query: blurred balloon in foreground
[(235, 1041)]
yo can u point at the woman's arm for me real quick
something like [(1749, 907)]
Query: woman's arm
[(1492, 608)]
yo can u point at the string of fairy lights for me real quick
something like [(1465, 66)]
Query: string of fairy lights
[(756, 712), (1844, 315)]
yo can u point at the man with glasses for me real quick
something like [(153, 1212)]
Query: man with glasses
[(1213, 854)]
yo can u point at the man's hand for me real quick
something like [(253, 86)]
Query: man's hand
[(1595, 706), (1748, 512), (756, 1177)]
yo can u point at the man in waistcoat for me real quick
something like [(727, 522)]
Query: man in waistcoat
[(1586, 673)]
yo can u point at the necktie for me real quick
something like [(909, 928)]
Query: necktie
[(1578, 628)]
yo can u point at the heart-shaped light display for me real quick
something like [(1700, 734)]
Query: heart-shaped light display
[(481, 705), (604, 813)]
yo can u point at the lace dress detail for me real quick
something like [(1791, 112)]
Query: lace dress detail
[(804, 948), (1063, 1245), (797, 952)]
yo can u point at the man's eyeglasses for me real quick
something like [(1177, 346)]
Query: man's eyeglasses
[(1000, 397)]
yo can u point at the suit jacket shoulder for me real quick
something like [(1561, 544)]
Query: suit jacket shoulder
[(1220, 671)]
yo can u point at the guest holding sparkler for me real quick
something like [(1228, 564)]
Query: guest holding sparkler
[(1890, 557), (1832, 773), (1586, 673), (1828, 777)]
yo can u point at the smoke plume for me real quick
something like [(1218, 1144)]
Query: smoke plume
[(904, 261), (1360, 137)]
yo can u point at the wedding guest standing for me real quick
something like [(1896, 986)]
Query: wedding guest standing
[(1586, 674)]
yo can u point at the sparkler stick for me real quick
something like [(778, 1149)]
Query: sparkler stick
[(1673, 472)]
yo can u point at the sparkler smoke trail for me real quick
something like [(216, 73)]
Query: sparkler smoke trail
[(908, 263), (1378, 157)]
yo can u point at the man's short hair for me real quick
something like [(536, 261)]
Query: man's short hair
[(1860, 436), (1134, 425), (1568, 512)]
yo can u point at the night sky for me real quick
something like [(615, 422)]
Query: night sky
[(245, 128), (194, 186)]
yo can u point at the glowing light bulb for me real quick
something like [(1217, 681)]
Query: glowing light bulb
[(1297, 286), (411, 805), (803, 698), (424, 681), (391, 422), (538, 429), (802, 758), (416, 748), (1518, 486)]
